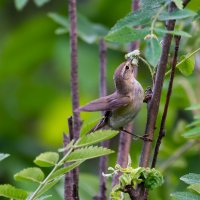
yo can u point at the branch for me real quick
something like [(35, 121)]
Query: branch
[(169, 92), (74, 83), (103, 160)]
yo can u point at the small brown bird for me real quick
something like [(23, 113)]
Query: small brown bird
[(121, 106)]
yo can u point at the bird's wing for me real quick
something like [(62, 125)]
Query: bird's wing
[(107, 103)]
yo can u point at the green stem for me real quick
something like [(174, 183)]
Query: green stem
[(148, 65), (182, 61)]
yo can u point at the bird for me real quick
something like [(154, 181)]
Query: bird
[(122, 106)]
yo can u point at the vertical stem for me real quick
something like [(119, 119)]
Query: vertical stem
[(169, 92), (74, 83), (104, 159)]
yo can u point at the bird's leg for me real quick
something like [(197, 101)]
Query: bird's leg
[(145, 137), (148, 95)]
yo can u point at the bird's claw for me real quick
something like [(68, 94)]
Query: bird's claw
[(148, 95)]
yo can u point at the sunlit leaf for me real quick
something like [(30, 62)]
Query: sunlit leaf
[(153, 51), (195, 187), (47, 159), (186, 66), (88, 153), (191, 178), (126, 34), (185, 196), (178, 14), (11, 192), (33, 174), (96, 137), (3, 156), (179, 3), (194, 107), (41, 2), (20, 4)]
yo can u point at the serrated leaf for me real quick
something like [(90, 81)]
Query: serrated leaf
[(95, 137), (193, 133), (47, 159), (174, 32), (11, 192), (64, 170), (3, 156), (194, 107), (126, 34), (41, 2), (178, 14), (153, 51), (185, 196), (191, 178), (88, 126), (195, 187), (187, 66), (88, 153), (20, 4), (179, 4), (33, 174)]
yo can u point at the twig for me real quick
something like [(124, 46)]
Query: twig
[(169, 92), (103, 160), (74, 83)]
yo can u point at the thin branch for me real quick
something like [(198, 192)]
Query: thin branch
[(169, 92), (74, 83)]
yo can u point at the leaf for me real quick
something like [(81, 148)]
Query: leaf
[(174, 32), (20, 4), (88, 153), (193, 133), (191, 178), (186, 66), (178, 14), (13, 193), (152, 4), (33, 174), (185, 196), (126, 34), (88, 126), (153, 51), (64, 170), (61, 20), (47, 159), (96, 137), (193, 107), (44, 197), (195, 187), (3, 156), (179, 4), (194, 123), (40, 3)]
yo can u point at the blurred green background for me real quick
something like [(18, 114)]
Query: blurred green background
[(35, 99)]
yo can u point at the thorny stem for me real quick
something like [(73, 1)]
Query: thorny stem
[(169, 92), (74, 83)]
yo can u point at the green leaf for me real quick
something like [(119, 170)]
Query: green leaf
[(88, 126), (193, 133), (126, 34), (64, 170), (33, 174), (191, 178), (178, 14), (47, 159), (186, 65), (185, 196), (179, 3), (194, 107), (194, 123), (44, 197), (11, 192), (174, 32), (3, 156), (153, 51), (88, 153), (96, 137), (149, 4), (41, 2), (61, 20), (195, 187), (20, 4)]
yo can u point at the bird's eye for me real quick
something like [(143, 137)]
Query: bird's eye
[(127, 67)]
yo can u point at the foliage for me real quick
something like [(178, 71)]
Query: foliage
[(74, 156)]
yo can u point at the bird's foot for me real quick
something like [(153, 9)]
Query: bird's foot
[(148, 95), (146, 138)]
